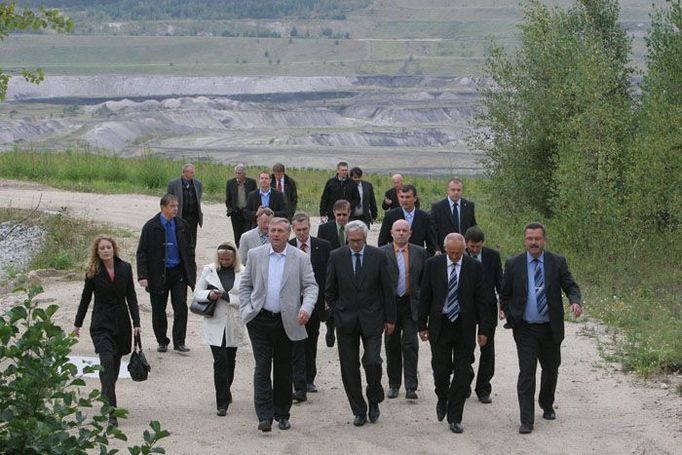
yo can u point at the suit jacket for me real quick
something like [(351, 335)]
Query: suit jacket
[(231, 193), (364, 303), (110, 324), (253, 203), (392, 194), (443, 224), (290, 193), (471, 294), (422, 229), (298, 280), (417, 257), (250, 239), (336, 189), (557, 278), (319, 257), (492, 272), (225, 321), (327, 231), (175, 188), (369, 203)]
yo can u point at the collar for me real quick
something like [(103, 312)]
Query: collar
[(530, 258), (361, 252), (165, 222), (451, 202), (414, 209), (266, 193), (458, 263), (307, 242), (396, 247), (283, 253)]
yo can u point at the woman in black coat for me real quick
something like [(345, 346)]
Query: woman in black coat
[(111, 280)]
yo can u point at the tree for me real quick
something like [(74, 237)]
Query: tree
[(25, 19)]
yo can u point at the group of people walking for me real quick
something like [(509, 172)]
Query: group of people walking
[(430, 277)]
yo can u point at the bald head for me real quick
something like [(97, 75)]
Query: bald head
[(454, 246), (400, 231), (397, 181)]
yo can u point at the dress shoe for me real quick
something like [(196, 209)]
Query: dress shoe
[(441, 410), (549, 414), (374, 412), (392, 392), (162, 348), (526, 428), (284, 424), (485, 399), (299, 396), (456, 427), (222, 412), (411, 394), (265, 426), (360, 420), (113, 422), (181, 348), (330, 338), (312, 388)]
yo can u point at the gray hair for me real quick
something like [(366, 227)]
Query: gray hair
[(240, 168), (453, 236), (187, 166), (300, 217), (357, 225), (279, 220)]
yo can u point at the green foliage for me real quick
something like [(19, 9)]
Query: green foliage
[(42, 409)]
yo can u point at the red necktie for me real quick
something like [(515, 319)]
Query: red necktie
[(304, 247), (279, 186)]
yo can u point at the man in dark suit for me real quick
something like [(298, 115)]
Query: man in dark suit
[(361, 296), (392, 196), (338, 187), (187, 190), (366, 210), (531, 301), (165, 264), (264, 196), (305, 352), (452, 214), (492, 272), (281, 182), (236, 192), (419, 221), (406, 266), (452, 302)]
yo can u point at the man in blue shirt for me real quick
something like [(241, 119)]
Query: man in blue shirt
[(264, 196)]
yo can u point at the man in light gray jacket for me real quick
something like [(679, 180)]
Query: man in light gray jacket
[(277, 295)]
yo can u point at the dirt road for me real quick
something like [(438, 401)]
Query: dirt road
[(599, 410)]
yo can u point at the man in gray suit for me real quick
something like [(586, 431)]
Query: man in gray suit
[(406, 266), (187, 190), (277, 295), (257, 236)]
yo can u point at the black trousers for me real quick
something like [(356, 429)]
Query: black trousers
[(349, 356), (223, 373), (193, 222), (534, 342), (451, 357), (272, 353), (239, 224), (402, 347), (304, 356), (177, 287), (111, 364), (486, 366)]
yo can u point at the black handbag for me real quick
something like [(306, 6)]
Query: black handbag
[(205, 309), (138, 367)]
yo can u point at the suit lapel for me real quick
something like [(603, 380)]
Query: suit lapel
[(265, 265), (288, 265), (549, 271)]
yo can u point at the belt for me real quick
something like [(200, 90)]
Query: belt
[(269, 314)]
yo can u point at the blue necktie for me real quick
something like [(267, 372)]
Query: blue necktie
[(455, 216), (358, 264), (540, 294), (452, 308), (402, 288)]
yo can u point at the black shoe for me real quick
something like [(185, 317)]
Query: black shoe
[(411, 394), (162, 348), (181, 348), (312, 388), (549, 414), (360, 420), (456, 427), (330, 338), (526, 428), (441, 410), (374, 412), (485, 399), (265, 426), (113, 422), (392, 392), (299, 396), (222, 412), (283, 424)]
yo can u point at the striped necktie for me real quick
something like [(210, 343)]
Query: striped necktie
[(540, 294), (452, 307)]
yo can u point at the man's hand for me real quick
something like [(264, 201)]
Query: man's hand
[(144, 283), (76, 331), (388, 201), (303, 317), (576, 309), (389, 328), (482, 340), (137, 331), (424, 335), (323, 219), (502, 315)]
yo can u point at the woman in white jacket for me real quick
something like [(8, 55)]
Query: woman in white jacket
[(224, 331)]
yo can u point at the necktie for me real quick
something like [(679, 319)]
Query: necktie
[(342, 236), (452, 307), (455, 216), (401, 289), (540, 294), (358, 264), (476, 256), (304, 247), (263, 239), (279, 185)]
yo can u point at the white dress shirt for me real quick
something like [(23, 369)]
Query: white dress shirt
[(275, 274)]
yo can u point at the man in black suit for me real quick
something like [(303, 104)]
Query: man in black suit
[(305, 352), (492, 272), (236, 192), (264, 196), (361, 296), (406, 266), (187, 190), (419, 221), (452, 214), (452, 302), (366, 210), (392, 196), (338, 187), (286, 185), (531, 301)]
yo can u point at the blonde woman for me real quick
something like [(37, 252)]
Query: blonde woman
[(111, 280), (223, 332)]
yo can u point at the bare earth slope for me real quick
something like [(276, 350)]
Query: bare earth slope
[(599, 410)]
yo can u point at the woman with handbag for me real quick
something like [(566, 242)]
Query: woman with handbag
[(224, 331), (111, 280)]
